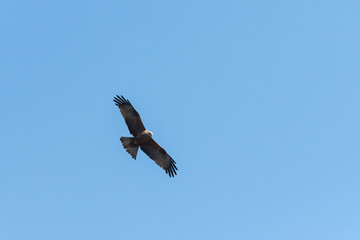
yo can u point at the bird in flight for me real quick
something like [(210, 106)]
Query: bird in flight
[(142, 138)]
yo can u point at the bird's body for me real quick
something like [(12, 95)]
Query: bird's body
[(132, 144), (142, 138)]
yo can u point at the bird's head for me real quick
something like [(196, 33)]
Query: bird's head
[(148, 132)]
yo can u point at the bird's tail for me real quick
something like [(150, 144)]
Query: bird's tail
[(130, 146)]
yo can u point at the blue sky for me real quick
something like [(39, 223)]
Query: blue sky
[(257, 102)]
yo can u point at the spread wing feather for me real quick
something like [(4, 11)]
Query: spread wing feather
[(131, 116), (160, 156)]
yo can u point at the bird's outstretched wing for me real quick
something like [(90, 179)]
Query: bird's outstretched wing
[(131, 116), (160, 156)]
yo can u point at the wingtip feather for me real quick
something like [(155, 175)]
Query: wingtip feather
[(171, 170), (121, 101)]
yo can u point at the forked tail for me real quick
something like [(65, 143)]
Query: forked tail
[(129, 145)]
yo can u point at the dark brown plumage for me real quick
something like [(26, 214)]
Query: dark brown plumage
[(142, 138)]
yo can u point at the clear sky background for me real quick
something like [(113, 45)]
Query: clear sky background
[(258, 102)]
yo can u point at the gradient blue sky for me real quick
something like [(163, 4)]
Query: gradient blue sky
[(257, 101)]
